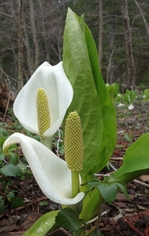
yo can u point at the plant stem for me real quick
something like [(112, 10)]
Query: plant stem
[(75, 182), (99, 216), (47, 142), (100, 207), (85, 180)]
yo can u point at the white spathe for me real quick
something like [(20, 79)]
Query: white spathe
[(131, 107), (59, 93), (50, 172), (120, 104)]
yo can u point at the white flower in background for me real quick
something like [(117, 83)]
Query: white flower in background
[(120, 105), (119, 95), (50, 172), (131, 107)]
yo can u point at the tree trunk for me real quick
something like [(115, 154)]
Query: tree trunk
[(34, 32), (28, 51), (110, 71), (128, 42), (100, 44), (20, 45), (143, 17), (110, 67), (43, 30)]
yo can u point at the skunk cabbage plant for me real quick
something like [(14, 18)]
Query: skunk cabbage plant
[(113, 90), (73, 93)]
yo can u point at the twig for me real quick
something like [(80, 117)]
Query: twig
[(29, 204), (94, 219), (9, 16), (102, 175), (133, 227), (3, 194), (141, 183), (7, 76), (113, 168), (8, 101), (135, 181), (116, 158)]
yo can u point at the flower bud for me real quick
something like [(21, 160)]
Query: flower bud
[(73, 142), (43, 113)]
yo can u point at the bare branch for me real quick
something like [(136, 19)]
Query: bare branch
[(5, 14), (143, 17)]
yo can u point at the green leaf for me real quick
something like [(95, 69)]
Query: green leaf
[(136, 160), (146, 93), (11, 170), (2, 157), (86, 102), (13, 157), (91, 204), (3, 132), (91, 100), (2, 205), (109, 133), (122, 187), (22, 167), (112, 90), (16, 202), (13, 148), (2, 139), (10, 195), (68, 219), (108, 191), (42, 225), (109, 188)]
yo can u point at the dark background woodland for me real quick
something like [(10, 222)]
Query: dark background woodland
[(31, 32)]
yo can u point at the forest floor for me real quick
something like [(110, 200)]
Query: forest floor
[(122, 217)]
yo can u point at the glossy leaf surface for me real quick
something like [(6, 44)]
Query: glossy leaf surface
[(91, 99), (42, 225), (136, 160)]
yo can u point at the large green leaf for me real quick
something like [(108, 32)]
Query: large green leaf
[(86, 102), (91, 99), (106, 106), (42, 225), (136, 160)]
